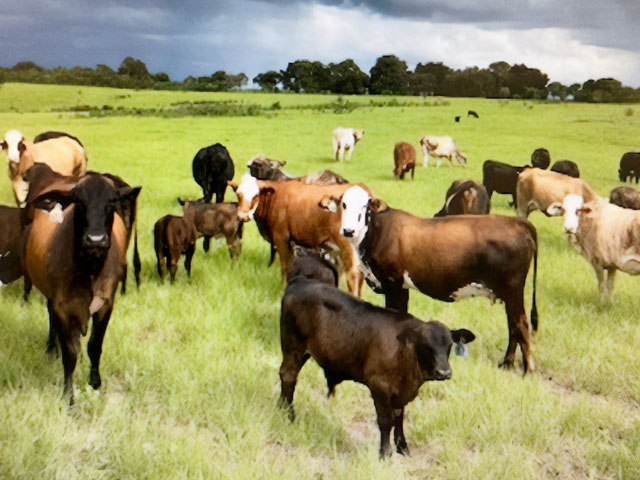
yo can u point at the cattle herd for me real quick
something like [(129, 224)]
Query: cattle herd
[(71, 229)]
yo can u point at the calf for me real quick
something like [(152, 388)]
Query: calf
[(629, 166), (538, 189), (540, 158), (344, 141), (212, 168), (607, 235), (174, 236), (500, 178), (465, 197), (220, 219), (312, 265), (441, 147), (448, 258), (75, 255), (566, 167), (404, 158), (392, 353), (625, 197)]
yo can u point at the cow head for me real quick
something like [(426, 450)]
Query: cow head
[(571, 207), (354, 206), (358, 133), (95, 199), (248, 193), (14, 144), (432, 342), (264, 168)]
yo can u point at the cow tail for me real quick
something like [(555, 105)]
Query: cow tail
[(137, 266), (534, 308), (273, 255)]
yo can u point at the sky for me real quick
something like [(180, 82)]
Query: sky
[(570, 40)]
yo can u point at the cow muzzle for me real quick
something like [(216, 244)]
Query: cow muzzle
[(443, 374), (347, 232), (99, 241)]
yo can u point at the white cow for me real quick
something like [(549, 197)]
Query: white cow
[(441, 147), (607, 235), (344, 140)]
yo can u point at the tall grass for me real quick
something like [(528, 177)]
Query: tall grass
[(190, 370)]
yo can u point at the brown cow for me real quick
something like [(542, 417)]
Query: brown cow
[(172, 237), (448, 258), (288, 213), (214, 220), (538, 189), (63, 154), (312, 265), (404, 158), (12, 248), (75, 255), (465, 197), (390, 352), (625, 197)]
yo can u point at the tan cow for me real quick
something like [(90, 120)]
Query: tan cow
[(538, 189), (288, 213), (63, 154)]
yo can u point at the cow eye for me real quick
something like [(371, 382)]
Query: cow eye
[(359, 216), (344, 206)]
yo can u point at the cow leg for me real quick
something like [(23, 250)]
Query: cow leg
[(28, 284), (52, 342), (335, 148), (123, 288), (599, 271), (519, 331), (611, 278), (413, 170), (206, 243), (94, 346), (510, 356), (397, 299), (285, 252), (70, 345), (350, 260), (385, 421), (159, 259), (439, 162), (292, 363), (398, 432), (187, 258), (349, 153), (172, 265)]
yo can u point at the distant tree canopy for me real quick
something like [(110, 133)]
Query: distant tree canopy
[(389, 75)]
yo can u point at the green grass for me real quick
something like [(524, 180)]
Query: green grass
[(190, 371)]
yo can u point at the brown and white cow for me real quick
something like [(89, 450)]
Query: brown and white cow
[(63, 154), (607, 235), (441, 147), (404, 159), (344, 141), (448, 258), (288, 213), (538, 189)]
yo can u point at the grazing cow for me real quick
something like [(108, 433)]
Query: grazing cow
[(538, 189), (629, 166), (448, 258), (457, 119), (215, 220), (63, 154), (12, 248), (625, 197), (75, 255), (264, 168), (500, 178), (288, 213), (404, 159), (212, 169), (607, 235), (174, 236), (465, 197), (471, 113), (540, 158), (390, 352), (310, 264), (566, 167), (41, 137), (441, 147), (344, 141)]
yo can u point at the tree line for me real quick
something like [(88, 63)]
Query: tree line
[(389, 76)]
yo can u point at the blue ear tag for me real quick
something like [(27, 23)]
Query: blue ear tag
[(462, 350)]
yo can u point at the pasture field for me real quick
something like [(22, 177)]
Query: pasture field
[(190, 370)]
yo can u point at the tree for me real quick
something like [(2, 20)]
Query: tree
[(501, 69), (134, 68), (268, 81), (521, 77), (422, 84), (347, 78), (437, 70), (161, 77), (557, 90), (303, 75), (472, 82), (25, 66), (389, 76)]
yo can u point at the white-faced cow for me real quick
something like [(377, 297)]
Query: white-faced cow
[(607, 235), (447, 258), (344, 141), (441, 147)]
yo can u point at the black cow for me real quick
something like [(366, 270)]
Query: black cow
[(629, 166), (471, 113), (390, 352), (312, 265), (566, 167), (448, 258), (501, 178), (540, 158), (465, 197), (212, 169)]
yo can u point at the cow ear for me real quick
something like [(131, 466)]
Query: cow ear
[(47, 201), (584, 209), (234, 186), (555, 209), (282, 164), (129, 193), (462, 336), (408, 335), (181, 202), (329, 203), (3, 145), (267, 190), (21, 146), (378, 205)]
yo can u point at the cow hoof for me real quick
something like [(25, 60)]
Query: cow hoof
[(506, 364), (52, 349), (95, 381), (402, 450)]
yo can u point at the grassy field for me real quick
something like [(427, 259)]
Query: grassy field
[(190, 370)]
